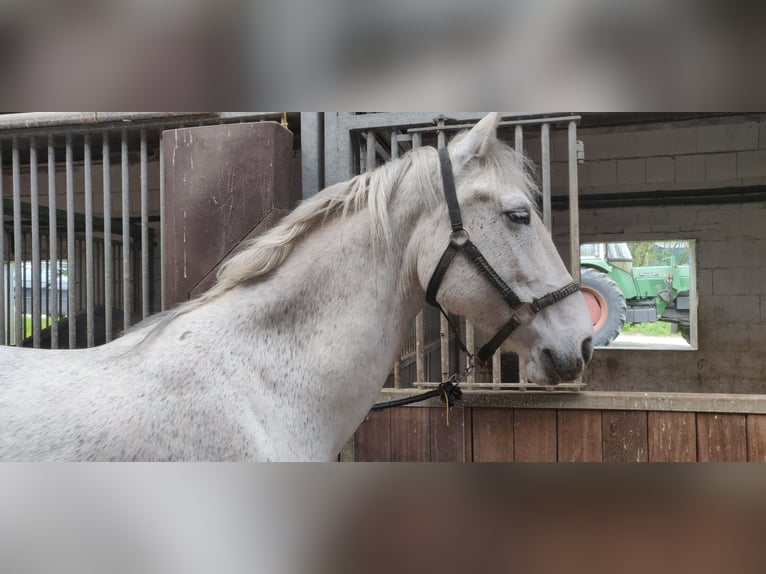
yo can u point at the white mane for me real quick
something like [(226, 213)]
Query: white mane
[(374, 191)]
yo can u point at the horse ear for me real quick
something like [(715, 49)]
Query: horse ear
[(477, 141)]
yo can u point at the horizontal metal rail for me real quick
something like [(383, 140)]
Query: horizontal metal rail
[(597, 401), (441, 127), (84, 122)]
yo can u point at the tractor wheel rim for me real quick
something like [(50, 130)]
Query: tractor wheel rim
[(597, 307)]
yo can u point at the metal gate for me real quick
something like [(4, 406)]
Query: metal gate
[(81, 212), (358, 142)]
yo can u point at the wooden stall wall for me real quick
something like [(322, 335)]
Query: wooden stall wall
[(420, 434)]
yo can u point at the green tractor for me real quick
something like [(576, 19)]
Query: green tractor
[(618, 292)]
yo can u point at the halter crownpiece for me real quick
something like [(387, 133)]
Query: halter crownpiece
[(460, 241)]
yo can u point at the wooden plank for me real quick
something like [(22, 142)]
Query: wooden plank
[(721, 438), (468, 429), (756, 438), (492, 435), (625, 436), (672, 437), (448, 442), (579, 436), (372, 442), (534, 434), (410, 435)]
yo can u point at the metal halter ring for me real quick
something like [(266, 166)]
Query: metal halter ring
[(523, 315), (460, 238)]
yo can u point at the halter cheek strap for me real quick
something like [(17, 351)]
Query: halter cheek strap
[(460, 242)]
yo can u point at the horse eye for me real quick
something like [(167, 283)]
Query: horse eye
[(520, 215)]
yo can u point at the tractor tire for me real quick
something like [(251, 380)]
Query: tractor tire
[(606, 304)]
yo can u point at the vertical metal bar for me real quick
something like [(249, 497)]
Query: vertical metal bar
[(89, 256), (163, 302), (108, 260), (34, 195), (420, 337), (497, 376), (53, 265), (311, 152), (574, 204), (398, 363), (420, 331), (126, 295), (444, 330), (71, 247), (18, 265), (2, 253), (545, 142), (519, 133), (470, 343), (394, 144), (144, 229), (338, 144), (371, 151)]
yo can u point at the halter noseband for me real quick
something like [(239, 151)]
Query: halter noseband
[(523, 312)]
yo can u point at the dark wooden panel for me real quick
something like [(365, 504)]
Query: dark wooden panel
[(625, 436), (579, 436), (448, 442), (721, 438), (534, 434), (756, 438), (410, 434), (224, 184), (672, 437), (492, 435), (372, 442)]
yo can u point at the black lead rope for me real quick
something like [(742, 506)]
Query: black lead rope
[(523, 312)]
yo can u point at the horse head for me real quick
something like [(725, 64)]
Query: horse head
[(497, 204)]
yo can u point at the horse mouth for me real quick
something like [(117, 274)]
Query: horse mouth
[(552, 370)]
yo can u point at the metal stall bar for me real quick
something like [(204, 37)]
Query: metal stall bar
[(70, 246), (398, 363), (2, 253), (574, 203), (53, 257), (89, 256), (162, 227), (126, 296), (34, 195), (444, 331), (545, 144), (18, 265), (371, 162), (108, 255), (144, 230), (420, 330)]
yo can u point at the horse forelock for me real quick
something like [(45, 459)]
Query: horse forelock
[(507, 169)]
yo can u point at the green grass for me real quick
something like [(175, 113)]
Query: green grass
[(28, 323), (658, 329)]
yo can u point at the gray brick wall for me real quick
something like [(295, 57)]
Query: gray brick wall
[(730, 244)]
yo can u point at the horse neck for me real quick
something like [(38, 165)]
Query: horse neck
[(340, 279)]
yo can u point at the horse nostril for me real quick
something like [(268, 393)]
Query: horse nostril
[(587, 350)]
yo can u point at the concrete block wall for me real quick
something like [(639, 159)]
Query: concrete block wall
[(730, 246)]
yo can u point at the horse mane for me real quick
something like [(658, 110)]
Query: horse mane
[(372, 190)]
